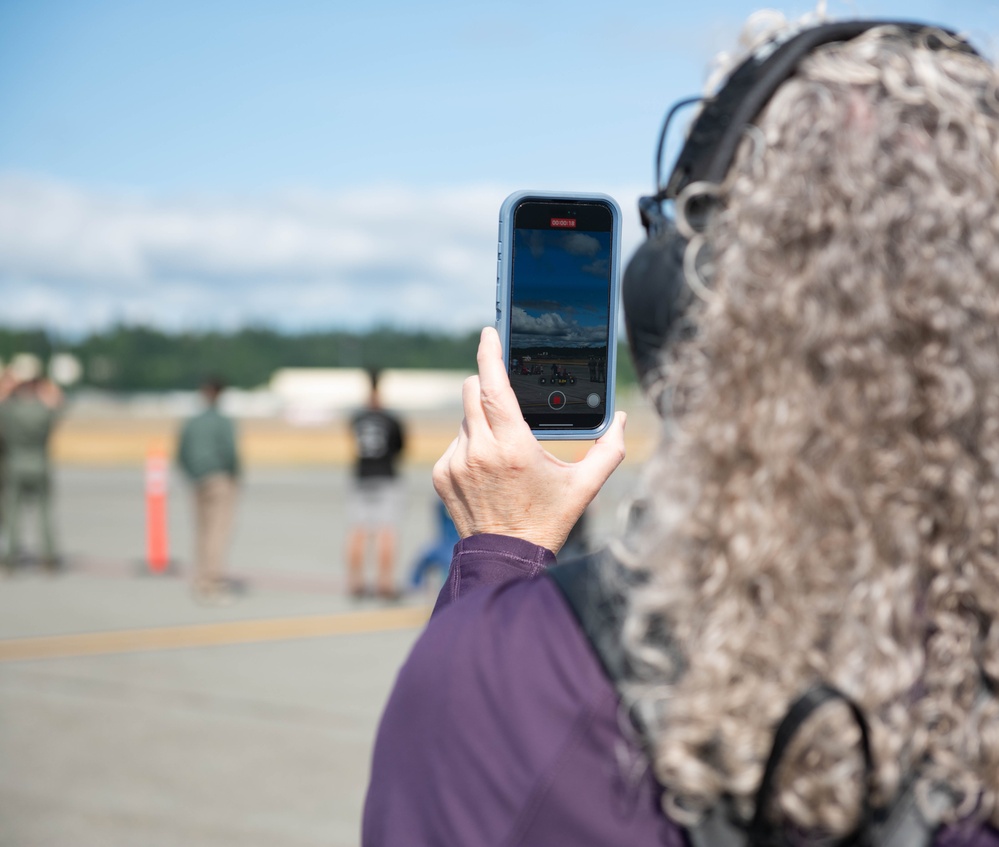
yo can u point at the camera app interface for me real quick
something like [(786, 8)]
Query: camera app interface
[(560, 315)]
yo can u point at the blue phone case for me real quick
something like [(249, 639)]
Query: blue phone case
[(504, 293)]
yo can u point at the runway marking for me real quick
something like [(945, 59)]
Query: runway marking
[(210, 635)]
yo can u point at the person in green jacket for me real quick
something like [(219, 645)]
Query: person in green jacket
[(28, 411), (208, 456)]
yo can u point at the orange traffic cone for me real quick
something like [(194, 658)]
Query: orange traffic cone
[(157, 542)]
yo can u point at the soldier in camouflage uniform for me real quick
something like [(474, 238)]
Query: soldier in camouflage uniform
[(27, 416)]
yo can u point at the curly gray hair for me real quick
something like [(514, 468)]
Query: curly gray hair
[(825, 503)]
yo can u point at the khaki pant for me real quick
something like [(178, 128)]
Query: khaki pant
[(214, 505)]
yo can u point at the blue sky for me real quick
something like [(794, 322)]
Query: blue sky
[(560, 288), (307, 164)]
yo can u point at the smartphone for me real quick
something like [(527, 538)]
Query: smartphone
[(556, 309)]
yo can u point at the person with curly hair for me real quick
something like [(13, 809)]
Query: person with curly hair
[(822, 508)]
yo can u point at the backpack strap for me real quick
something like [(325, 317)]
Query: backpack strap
[(600, 612)]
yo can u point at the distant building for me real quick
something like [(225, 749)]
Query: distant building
[(319, 395)]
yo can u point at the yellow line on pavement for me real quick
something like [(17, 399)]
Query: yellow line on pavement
[(210, 635)]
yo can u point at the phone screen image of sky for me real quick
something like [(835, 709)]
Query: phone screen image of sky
[(561, 282)]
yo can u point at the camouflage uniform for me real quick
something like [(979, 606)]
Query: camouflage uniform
[(25, 427)]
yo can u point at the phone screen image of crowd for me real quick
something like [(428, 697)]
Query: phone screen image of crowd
[(571, 380)]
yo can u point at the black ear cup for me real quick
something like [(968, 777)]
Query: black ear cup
[(655, 296), (656, 292)]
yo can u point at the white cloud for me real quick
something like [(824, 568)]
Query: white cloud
[(581, 244), (551, 329), (547, 323), (76, 259)]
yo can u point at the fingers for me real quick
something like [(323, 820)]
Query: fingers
[(454, 456), (448, 475), (471, 402), (499, 403), (441, 473), (490, 357), (603, 457)]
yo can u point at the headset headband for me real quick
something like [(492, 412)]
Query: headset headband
[(663, 275), (714, 138)]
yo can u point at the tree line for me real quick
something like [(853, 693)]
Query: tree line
[(142, 358)]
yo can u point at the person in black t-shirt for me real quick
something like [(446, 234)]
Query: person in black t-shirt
[(379, 439)]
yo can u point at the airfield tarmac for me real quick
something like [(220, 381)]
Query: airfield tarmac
[(131, 716)]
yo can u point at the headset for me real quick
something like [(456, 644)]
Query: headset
[(666, 272)]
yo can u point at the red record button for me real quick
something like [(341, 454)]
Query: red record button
[(556, 400)]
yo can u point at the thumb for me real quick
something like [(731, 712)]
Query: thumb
[(602, 459)]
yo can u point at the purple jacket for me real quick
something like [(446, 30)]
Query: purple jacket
[(502, 728)]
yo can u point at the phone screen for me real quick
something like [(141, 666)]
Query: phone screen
[(560, 312)]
